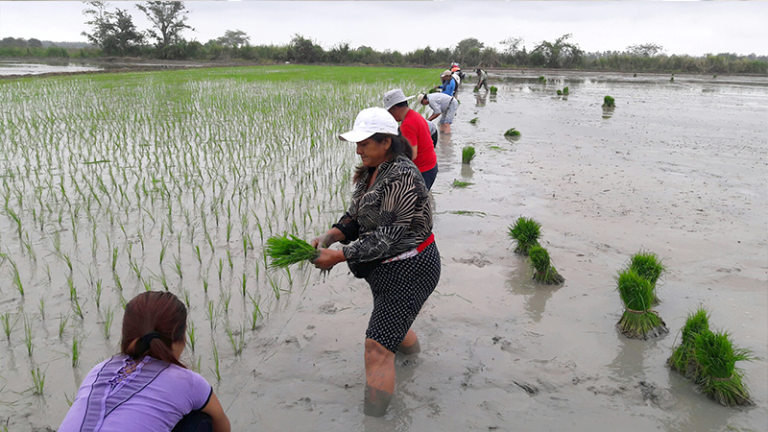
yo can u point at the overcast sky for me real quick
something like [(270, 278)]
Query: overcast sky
[(691, 27)]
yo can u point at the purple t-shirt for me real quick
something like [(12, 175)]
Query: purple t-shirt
[(152, 398)]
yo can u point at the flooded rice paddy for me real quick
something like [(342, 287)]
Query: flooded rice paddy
[(111, 186)]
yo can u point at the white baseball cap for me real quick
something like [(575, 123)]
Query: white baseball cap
[(371, 121), (394, 97)]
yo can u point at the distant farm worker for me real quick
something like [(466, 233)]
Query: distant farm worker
[(146, 387), (442, 105), (449, 83), (416, 130), (482, 79), (390, 216)]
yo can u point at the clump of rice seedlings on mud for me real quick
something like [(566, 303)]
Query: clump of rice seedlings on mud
[(512, 133), (494, 90), (473, 121), (566, 91), (649, 267), (609, 102), (525, 232), (719, 378), (467, 154), (543, 270), (461, 184), (638, 320), (559, 92), (542, 79), (288, 249), (683, 359)]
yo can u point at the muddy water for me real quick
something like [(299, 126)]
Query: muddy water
[(678, 169), (27, 68)]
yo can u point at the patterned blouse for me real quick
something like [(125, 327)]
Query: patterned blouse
[(391, 217)]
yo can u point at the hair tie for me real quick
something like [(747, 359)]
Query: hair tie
[(143, 344)]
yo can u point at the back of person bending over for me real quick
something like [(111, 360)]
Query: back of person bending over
[(145, 387), (416, 130)]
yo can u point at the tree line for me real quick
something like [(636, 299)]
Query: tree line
[(111, 32)]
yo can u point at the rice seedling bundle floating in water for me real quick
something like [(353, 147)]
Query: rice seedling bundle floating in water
[(638, 320), (543, 270), (649, 267), (512, 133), (494, 90), (719, 377), (683, 358), (473, 121), (525, 232), (609, 102), (288, 249), (461, 184), (467, 154)]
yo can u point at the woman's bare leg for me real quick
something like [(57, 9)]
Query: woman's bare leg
[(379, 377)]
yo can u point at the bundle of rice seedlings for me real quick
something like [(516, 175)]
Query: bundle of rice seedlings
[(683, 359), (494, 90), (473, 121), (512, 133), (559, 92), (288, 249), (542, 79), (609, 102), (467, 154), (525, 232), (649, 267), (719, 377), (565, 90), (461, 184), (638, 320), (543, 270)]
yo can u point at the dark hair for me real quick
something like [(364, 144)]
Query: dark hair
[(402, 104), (152, 322), (399, 146)]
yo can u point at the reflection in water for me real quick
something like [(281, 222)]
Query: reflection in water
[(445, 151), (467, 171), (536, 295), (493, 97), (480, 100), (694, 412), (629, 360), (608, 112)]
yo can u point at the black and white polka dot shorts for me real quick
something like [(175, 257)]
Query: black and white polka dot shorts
[(400, 289)]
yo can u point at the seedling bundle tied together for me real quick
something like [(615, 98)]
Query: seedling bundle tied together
[(287, 250)]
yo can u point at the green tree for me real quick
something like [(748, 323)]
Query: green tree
[(304, 50), (123, 38), (234, 39), (100, 21), (559, 53), (645, 50), (468, 50), (169, 19), (34, 43)]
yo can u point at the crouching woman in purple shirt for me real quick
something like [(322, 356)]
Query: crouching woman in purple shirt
[(146, 387)]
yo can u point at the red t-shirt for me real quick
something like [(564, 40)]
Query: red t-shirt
[(414, 128)]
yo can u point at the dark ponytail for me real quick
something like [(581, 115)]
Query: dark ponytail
[(399, 146), (153, 321)]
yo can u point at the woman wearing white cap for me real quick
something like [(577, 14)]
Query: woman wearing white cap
[(391, 219)]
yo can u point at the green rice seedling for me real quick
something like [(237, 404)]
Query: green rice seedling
[(243, 283), (683, 358), (719, 377), (638, 320), (162, 252), (559, 92), (672, 79), (467, 154), (28, 335), (543, 270), (109, 316), (634, 75), (118, 284), (75, 350), (77, 308), (177, 266), (191, 335), (275, 286), (70, 400), (649, 267), (566, 91), (41, 308), (494, 90), (99, 289), (461, 184), (255, 313), (211, 314), (288, 249), (216, 369), (8, 325), (16, 277), (525, 232), (473, 121), (199, 256), (38, 381), (63, 320), (609, 102), (514, 133), (236, 339), (229, 259)]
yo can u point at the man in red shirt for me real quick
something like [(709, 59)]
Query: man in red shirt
[(415, 129)]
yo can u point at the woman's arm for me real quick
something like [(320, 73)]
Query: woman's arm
[(215, 410)]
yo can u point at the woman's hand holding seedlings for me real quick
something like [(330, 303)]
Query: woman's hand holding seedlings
[(328, 258), (326, 240)]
